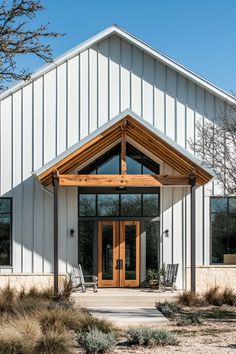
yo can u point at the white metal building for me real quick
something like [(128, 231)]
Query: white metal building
[(46, 124)]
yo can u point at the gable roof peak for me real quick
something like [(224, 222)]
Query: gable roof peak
[(134, 40)]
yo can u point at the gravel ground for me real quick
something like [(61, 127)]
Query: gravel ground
[(209, 338), (213, 336)]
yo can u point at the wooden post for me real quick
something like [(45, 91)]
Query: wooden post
[(192, 182), (56, 273), (123, 152)]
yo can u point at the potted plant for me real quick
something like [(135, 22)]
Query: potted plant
[(153, 277)]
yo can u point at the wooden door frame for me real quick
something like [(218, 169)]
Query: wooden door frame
[(115, 281), (118, 253)]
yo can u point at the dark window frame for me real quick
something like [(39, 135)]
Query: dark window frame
[(10, 235), (227, 213), (120, 216)]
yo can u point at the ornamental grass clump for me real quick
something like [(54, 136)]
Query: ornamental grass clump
[(53, 343), (150, 337), (7, 299), (59, 319), (190, 298), (96, 341), (215, 296), (18, 335)]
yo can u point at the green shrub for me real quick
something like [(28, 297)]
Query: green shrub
[(189, 298), (95, 341), (168, 308), (190, 320), (53, 343), (150, 337)]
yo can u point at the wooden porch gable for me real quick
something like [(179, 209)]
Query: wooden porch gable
[(127, 129)]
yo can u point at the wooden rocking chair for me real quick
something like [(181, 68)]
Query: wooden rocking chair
[(169, 279), (78, 279)]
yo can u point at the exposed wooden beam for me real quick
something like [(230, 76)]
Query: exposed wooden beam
[(123, 152), (122, 180)]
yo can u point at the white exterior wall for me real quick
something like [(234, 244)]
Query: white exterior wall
[(59, 108)]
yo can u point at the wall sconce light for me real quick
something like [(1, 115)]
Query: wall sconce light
[(164, 233), (72, 231)]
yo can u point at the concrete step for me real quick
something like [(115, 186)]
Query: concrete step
[(116, 298)]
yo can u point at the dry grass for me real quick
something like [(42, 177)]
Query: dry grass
[(215, 296), (189, 298), (18, 335), (59, 319), (53, 343)]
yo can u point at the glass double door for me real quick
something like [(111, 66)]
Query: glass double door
[(118, 253)]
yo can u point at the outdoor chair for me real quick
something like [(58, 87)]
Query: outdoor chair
[(78, 279), (169, 278)]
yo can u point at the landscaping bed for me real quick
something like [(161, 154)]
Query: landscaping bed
[(36, 322)]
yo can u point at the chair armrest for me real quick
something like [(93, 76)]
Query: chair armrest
[(95, 278)]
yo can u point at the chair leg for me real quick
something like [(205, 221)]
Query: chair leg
[(83, 289)]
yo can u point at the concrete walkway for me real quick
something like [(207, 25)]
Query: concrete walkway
[(125, 307), (125, 317)]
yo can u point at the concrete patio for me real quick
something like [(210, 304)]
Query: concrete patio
[(126, 307)]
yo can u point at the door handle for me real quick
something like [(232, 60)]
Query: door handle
[(119, 264)]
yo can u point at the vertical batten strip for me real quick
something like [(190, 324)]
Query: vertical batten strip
[(142, 66), (89, 113), (79, 101), (67, 123), (165, 99), (176, 100), (12, 135), (109, 78), (130, 77), (56, 113), (43, 124)]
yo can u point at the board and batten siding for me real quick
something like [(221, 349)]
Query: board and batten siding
[(61, 107)]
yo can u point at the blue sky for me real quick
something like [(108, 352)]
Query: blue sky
[(198, 34)]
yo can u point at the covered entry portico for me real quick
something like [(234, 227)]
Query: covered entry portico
[(127, 131)]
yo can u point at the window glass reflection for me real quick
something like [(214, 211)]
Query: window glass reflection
[(110, 167), (223, 229), (150, 204), (87, 205), (86, 230), (108, 204), (130, 204)]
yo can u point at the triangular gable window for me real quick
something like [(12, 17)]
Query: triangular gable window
[(110, 162)]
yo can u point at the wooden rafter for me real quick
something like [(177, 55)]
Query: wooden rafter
[(127, 128)]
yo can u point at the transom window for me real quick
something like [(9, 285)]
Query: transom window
[(5, 231), (223, 229), (119, 204)]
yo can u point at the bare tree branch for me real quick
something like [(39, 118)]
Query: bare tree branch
[(16, 38), (215, 144)]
